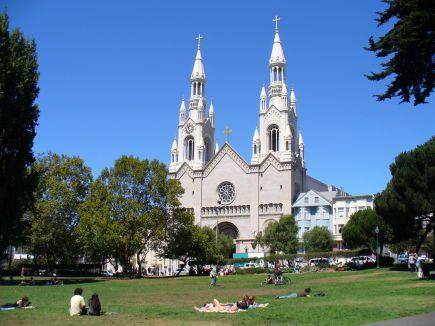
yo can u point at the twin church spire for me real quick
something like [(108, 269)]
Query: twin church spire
[(277, 132)]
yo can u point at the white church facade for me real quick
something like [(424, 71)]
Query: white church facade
[(221, 188)]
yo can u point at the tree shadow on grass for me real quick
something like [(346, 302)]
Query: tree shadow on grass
[(45, 282)]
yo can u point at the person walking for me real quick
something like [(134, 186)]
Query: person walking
[(213, 276), (419, 265), (411, 262)]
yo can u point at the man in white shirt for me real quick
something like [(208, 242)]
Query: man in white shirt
[(78, 306)]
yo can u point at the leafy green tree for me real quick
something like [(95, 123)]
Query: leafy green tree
[(178, 242), (360, 231), (408, 202), (428, 244), (410, 47), (132, 200), (280, 236), (63, 186), (204, 247), (225, 245), (318, 239), (97, 233), (188, 242), (18, 119)]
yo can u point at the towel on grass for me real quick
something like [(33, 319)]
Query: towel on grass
[(12, 308)]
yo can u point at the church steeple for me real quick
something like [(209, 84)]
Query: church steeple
[(263, 99), (211, 114), (182, 118), (277, 64), (197, 86)]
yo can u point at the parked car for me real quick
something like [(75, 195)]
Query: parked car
[(107, 273), (249, 265), (320, 261), (403, 258), (361, 262)]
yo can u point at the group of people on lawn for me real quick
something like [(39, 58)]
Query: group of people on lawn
[(78, 306), (415, 264)]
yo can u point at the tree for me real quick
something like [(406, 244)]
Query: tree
[(63, 186), (410, 47), (97, 233), (225, 245), (280, 236), (319, 239), (18, 118), (132, 201), (188, 242), (360, 231), (407, 204)]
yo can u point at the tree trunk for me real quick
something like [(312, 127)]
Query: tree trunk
[(10, 263), (423, 237), (139, 264)]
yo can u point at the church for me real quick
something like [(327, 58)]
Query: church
[(224, 191)]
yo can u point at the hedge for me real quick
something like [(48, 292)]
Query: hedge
[(307, 256)]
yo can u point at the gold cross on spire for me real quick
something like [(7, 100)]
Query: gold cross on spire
[(276, 20), (199, 38), (227, 132)]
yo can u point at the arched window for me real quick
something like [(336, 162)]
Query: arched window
[(255, 149), (286, 146), (274, 74), (273, 138), (189, 148)]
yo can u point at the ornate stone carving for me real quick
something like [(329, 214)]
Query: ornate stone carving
[(226, 192)]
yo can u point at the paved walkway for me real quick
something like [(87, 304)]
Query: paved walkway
[(418, 320)]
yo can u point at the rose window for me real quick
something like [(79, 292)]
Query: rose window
[(226, 192)]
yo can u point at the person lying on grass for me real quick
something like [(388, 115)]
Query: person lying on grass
[(21, 303), (230, 307), (247, 302), (304, 293)]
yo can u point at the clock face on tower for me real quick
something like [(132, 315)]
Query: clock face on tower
[(189, 128)]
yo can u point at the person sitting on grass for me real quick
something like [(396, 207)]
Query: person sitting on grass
[(268, 280), (78, 306), (251, 302), (94, 305), (305, 293)]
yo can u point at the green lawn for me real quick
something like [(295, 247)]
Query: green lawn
[(352, 298)]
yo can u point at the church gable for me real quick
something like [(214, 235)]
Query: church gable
[(226, 150), (185, 169), (272, 114), (272, 160)]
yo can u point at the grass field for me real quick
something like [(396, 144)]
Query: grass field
[(352, 298)]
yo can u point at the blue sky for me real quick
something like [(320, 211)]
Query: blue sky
[(113, 74)]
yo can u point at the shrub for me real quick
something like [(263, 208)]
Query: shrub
[(386, 261), (253, 270)]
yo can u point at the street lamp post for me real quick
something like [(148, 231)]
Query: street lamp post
[(217, 220), (377, 246)]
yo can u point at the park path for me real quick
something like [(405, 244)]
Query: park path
[(418, 320)]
